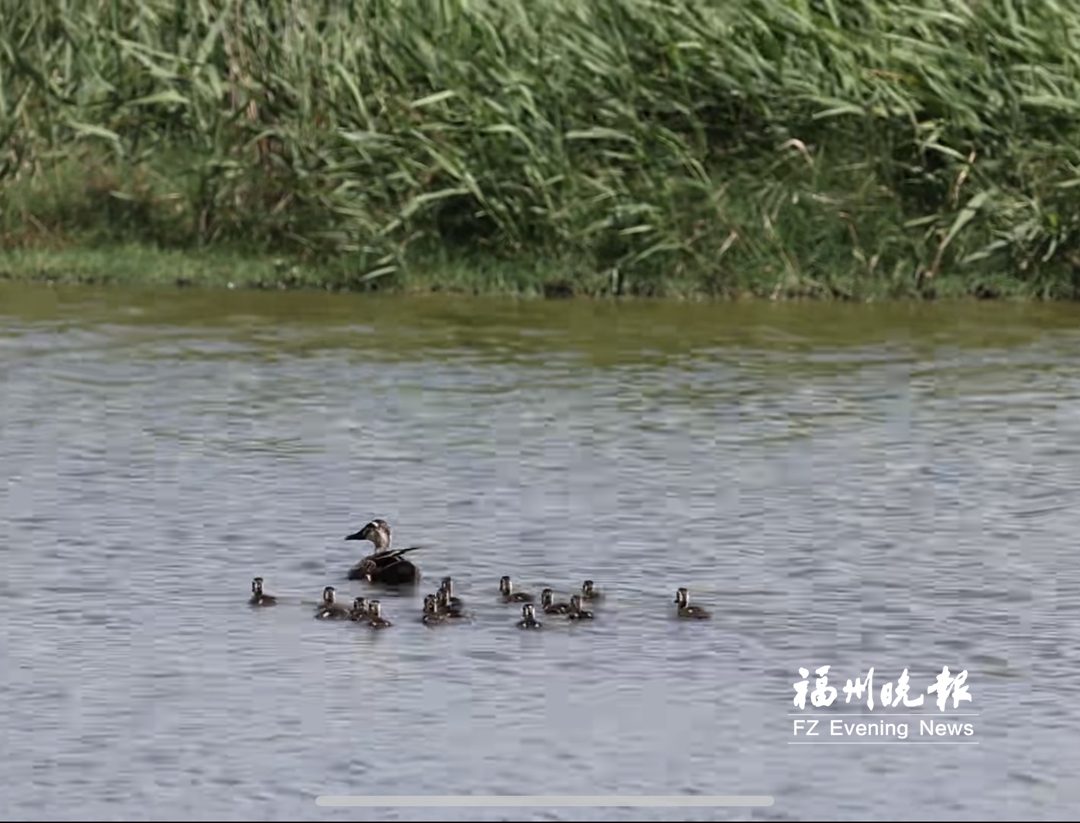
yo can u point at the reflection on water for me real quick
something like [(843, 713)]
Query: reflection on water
[(888, 486)]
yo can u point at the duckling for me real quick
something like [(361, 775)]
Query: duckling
[(511, 596), (576, 612), (384, 565), (329, 609), (432, 615), (453, 602), (377, 621), (590, 592), (258, 596), (445, 607), (547, 601), (359, 611), (682, 598), (528, 618)]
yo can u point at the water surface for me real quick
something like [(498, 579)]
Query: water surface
[(890, 486)]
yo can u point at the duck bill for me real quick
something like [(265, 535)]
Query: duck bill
[(356, 535)]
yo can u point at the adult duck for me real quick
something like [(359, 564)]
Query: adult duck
[(384, 565)]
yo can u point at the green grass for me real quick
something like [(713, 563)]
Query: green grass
[(854, 150)]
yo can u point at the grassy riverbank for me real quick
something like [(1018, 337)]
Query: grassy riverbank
[(773, 147)]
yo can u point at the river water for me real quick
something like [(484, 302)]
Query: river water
[(846, 486)]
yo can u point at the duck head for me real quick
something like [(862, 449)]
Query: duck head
[(377, 531)]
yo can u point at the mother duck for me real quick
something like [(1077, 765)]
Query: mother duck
[(384, 565)]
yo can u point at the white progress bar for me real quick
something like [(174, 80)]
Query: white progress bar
[(628, 801)]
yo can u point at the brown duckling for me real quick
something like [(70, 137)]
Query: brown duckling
[(258, 596), (432, 615), (448, 588), (576, 612), (590, 592), (384, 565), (375, 618), (445, 607), (511, 596), (329, 608), (359, 611), (528, 618), (682, 599), (547, 602)]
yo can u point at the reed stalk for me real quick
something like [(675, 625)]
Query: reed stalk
[(784, 147)]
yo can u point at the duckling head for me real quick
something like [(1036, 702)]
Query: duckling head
[(430, 604), (575, 603), (328, 595), (547, 597), (504, 584), (256, 585), (682, 597), (377, 531), (448, 587), (442, 599), (375, 608), (360, 605), (528, 612), (587, 588)]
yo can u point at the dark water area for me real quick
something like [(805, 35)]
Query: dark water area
[(848, 486)]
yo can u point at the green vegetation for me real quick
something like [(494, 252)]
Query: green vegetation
[(855, 149)]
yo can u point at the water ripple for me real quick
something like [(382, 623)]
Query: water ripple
[(891, 504)]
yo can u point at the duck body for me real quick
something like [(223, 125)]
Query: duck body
[(547, 600), (375, 618), (333, 611), (506, 589), (685, 610), (385, 565), (576, 612), (446, 607)]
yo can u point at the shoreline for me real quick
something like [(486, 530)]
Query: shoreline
[(138, 266)]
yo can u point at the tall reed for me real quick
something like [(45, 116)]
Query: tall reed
[(795, 146)]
